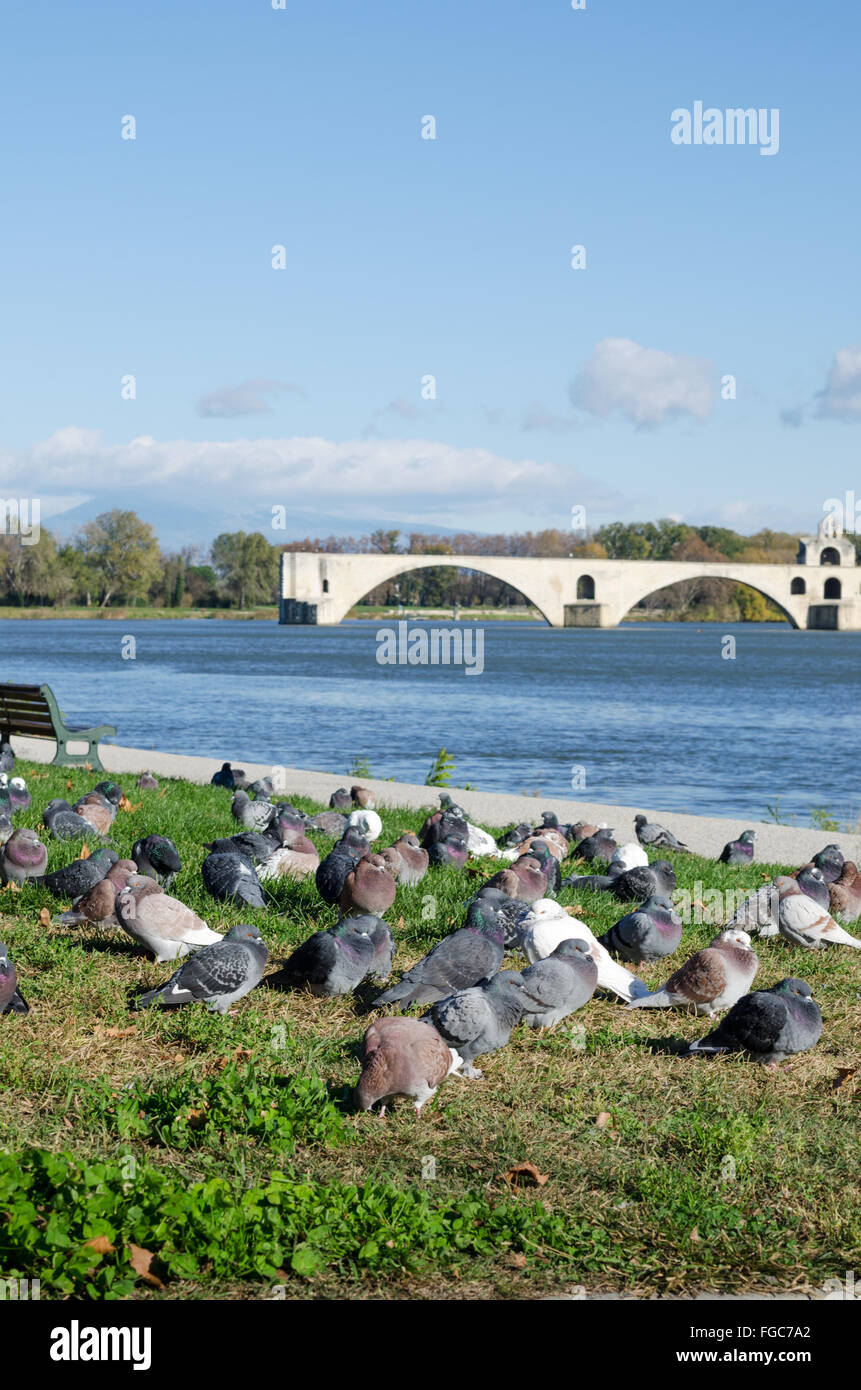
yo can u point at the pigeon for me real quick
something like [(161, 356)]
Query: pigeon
[(99, 902), (367, 823), (457, 962), (524, 879), (646, 881), (340, 861), (11, 999), (233, 778), (157, 857), (23, 856), (7, 757), (6, 826), (341, 800), (559, 983), (478, 1020), (81, 874), (369, 887), (629, 856), (447, 804), (231, 878), (252, 815), (830, 860), (362, 798), (298, 860), (450, 853), (287, 825), (511, 912), (548, 925), (592, 883), (812, 882), (441, 826), (757, 912), (768, 1025), (383, 942), (64, 823), (556, 843), (330, 822), (111, 791), (402, 1057), (514, 836), (653, 835), (739, 851), (711, 980), (598, 846), (164, 925), (147, 782), (845, 893), (263, 787), (248, 843), (96, 809), (478, 841), (330, 962), (804, 922), (217, 975), (650, 933), (19, 796)]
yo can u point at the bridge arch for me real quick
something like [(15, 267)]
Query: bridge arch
[(735, 574), (352, 591)]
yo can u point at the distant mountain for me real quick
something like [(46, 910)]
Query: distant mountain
[(177, 522)]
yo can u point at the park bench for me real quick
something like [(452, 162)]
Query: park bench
[(32, 710)]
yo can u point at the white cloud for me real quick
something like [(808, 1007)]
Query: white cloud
[(841, 399), (645, 385), (539, 417), (247, 399)]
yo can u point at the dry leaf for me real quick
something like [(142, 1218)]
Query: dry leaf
[(695, 1236), (101, 1245), (844, 1074), (12, 887), (125, 804), (574, 910), (604, 1120), (523, 1171), (514, 1260), (45, 917), (85, 853), (117, 1032), (142, 1262), (196, 1119), (69, 785), (400, 924)]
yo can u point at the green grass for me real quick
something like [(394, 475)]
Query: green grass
[(228, 1147)]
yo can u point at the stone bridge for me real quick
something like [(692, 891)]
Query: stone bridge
[(822, 590)]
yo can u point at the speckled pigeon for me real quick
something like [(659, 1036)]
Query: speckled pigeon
[(650, 933), (402, 1057), (252, 815), (511, 912), (218, 975), (457, 962), (559, 983), (656, 836), (739, 851), (23, 856), (710, 980), (768, 1025), (658, 879), (480, 1019), (64, 823), (11, 999), (231, 878), (157, 857), (19, 796)]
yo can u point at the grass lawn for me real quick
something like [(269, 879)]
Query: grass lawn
[(226, 1147)]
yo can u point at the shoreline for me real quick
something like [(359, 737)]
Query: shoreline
[(705, 835)]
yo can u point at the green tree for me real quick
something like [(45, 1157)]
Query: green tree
[(122, 551), (247, 566)]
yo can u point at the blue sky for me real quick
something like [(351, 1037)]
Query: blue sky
[(407, 257)]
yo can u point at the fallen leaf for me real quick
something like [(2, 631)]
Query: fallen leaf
[(604, 1120), (400, 924), (524, 1171), (45, 917), (844, 1074), (12, 887), (196, 1119), (574, 910), (101, 1245), (85, 853), (117, 1032), (515, 1260), (69, 785), (694, 1236), (141, 1262)]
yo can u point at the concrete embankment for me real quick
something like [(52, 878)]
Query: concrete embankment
[(706, 835)]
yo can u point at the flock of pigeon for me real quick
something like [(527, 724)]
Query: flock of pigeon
[(472, 1004)]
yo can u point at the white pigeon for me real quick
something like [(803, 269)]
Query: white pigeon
[(478, 841), (367, 823), (547, 924), (803, 922), (630, 856)]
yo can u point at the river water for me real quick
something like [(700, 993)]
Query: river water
[(645, 714)]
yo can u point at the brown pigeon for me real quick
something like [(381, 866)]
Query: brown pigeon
[(524, 880), (162, 924), (402, 1057), (710, 980), (369, 887), (845, 893), (296, 860), (414, 859), (362, 798), (98, 903)]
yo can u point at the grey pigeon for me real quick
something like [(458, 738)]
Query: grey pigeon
[(402, 1057), (645, 881), (479, 1020), (231, 878), (601, 845), (111, 791), (81, 874), (329, 822), (450, 853), (218, 975), (341, 800), (11, 999), (457, 962), (331, 874), (147, 782), (19, 796), (7, 757), (559, 984), (64, 823), (23, 856), (251, 845), (650, 933), (157, 857), (252, 815), (768, 1025), (651, 833), (513, 837), (330, 962), (511, 912), (830, 860), (758, 912), (812, 882), (5, 821), (739, 851)]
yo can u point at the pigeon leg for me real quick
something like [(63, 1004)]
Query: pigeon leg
[(382, 1112)]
